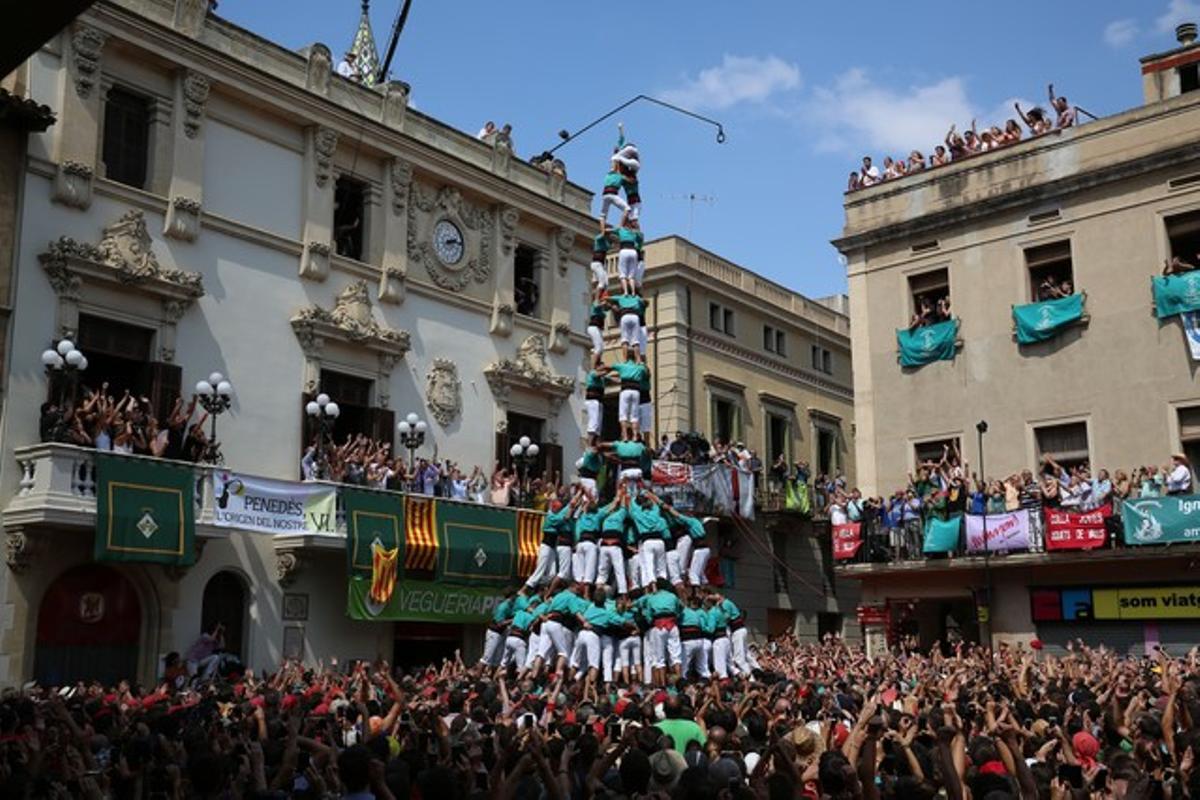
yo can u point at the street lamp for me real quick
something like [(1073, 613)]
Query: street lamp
[(324, 412), (216, 397), (981, 428), (523, 453), (412, 435), (67, 361)]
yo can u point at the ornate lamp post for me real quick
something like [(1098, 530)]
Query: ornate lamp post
[(523, 453), (67, 361), (412, 435), (216, 397), (324, 412)]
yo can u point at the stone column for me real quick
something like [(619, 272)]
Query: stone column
[(76, 135), (320, 143), (394, 249), (187, 156), (562, 243), (504, 302)]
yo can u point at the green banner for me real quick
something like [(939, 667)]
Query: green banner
[(420, 601), (1175, 294), (1037, 322), (796, 498), (941, 535), (476, 543), (372, 517), (928, 343), (1162, 520), (144, 511)]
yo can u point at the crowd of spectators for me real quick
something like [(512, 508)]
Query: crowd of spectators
[(814, 721), (947, 487), (958, 146), (126, 425)]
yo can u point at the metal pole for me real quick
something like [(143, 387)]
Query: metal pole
[(981, 428), (397, 27), (720, 128)]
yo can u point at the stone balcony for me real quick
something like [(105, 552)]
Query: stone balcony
[(57, 492)]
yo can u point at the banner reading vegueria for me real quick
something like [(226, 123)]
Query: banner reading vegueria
[(419, 601), (1162, 520), (928, 343), (267, 506), (1037, 322)]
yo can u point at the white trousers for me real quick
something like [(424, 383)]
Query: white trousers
[(720, 656), (564, 554), (741, 661), (627, 261), (589, 486), (696, 572), (612, 561), (640, 272), (653, 553), (584, 566), (629, 653), (534, 649), (627, 405), (612, 200), (544, 571), (642, 338), (493, 648), (674, 647), (696, 653), (586, 654), (556, 639), (608, 653), (599, 275), (634, 571), (630, 474), (656, 648), (674, 572), (597, 337), (630, 327), (594, 415), (683, 548), (514, 652)]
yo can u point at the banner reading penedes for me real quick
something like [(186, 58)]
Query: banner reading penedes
[(267, 506)]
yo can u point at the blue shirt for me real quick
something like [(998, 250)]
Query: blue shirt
[(649, 521)]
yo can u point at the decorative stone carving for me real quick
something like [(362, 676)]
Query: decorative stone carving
[(18, 550), (564, 239), (195, 95), (314, 262), (126, 249), (502, 151), (560, 337), (183, 219), (530, 370), (401, 179), (324, 146), (556, 182), (395, 104), (391, 285), (351, 320), (443, 391), (509, 217), (287, 565), (502, 320), (190, 15), (320, 68), (73, 184), (86, 45), (476, 224)]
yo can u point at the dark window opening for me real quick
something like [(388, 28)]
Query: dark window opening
[(1183, 233), (224, 604), (725, 420), (349, 215), (727, 315), (715, 320), (928, 291), (822, 359), (117, 354), (126, 147), (1051, 274), (526, 288), (780, 343), (353, 396), (1189, 78), (1066, 444), (777, 437), (1189, 433), (934, 450), (826, 451), (768, 338), (610, 426), (549, 457), (829, 623)]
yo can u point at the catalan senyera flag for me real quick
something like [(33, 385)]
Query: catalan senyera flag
[(420, 534), (529, 537), (384, 565)]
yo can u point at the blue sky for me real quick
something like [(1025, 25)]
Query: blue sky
[(803, 89)]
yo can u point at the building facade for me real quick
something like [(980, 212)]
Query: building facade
[(738, 358), (1102, 205), (210, 201)]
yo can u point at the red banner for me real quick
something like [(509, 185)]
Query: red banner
[(846, 540), (1076, 530), (671, 473), (873, 615)]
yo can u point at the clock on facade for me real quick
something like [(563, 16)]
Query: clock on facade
[(448, 242)]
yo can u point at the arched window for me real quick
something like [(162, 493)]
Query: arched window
[(224, 603), (89, 628)]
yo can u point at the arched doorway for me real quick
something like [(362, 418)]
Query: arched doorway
[(225, 603), (89, 627)]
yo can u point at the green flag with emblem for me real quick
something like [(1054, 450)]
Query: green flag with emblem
[(144, 511), (928, 343), (372, 517), (476, 543), (1037, 322)]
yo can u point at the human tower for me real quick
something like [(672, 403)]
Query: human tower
[(619, 591)]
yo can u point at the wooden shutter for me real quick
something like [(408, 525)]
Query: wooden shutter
[(165, 382), (550, 460), (383, 425), (502, 455)]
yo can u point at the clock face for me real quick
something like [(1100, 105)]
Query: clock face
[(448, 242)]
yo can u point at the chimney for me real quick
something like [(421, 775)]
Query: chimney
[(1185, 33)]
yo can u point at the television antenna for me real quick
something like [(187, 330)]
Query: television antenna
[(692, 199)]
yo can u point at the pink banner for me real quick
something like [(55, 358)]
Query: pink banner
[(1076, 530), (1009, 531)]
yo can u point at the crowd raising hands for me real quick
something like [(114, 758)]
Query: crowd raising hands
[(959, 145), (815, 721)]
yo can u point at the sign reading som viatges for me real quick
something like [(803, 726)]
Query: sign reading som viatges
[(266, 506), (1150, 602)]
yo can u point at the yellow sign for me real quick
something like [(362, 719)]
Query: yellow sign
[(983, 614), (1165, 602)]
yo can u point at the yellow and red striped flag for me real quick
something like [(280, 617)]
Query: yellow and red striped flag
[(420, 534), (384, 565), (529, 537)]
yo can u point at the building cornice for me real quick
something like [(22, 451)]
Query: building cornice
[(729, 349), (289, 100)]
